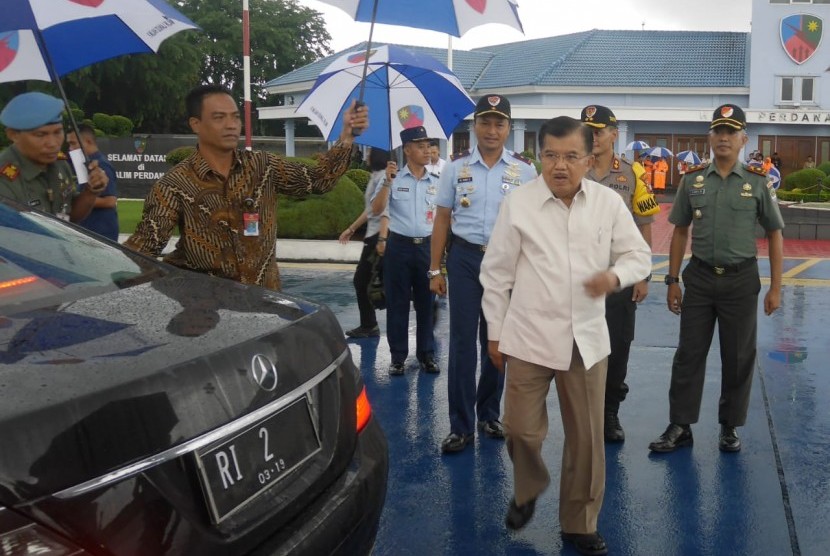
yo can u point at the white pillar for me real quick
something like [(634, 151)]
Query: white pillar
[(289, 137), (622, 137), (519, 128)]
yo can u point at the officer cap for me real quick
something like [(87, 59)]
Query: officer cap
[(598, 116), (493, 104), (417, 133), (729, 115), (31, 111)]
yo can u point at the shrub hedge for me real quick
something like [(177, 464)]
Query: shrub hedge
[(359, 177), (824, 167), (802, 179)]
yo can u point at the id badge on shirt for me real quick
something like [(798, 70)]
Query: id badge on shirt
[(251, 221), (430, 214)]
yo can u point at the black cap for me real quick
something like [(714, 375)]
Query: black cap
[(417, 133), (493, 104), (729, 115), (598, 116)]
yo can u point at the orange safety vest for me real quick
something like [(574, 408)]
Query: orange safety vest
[(660, 170), (648, 177)]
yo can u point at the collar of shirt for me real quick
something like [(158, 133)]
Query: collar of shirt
[(544, 193), (407, 172), (201, 167), (475, 157), (736, 169)]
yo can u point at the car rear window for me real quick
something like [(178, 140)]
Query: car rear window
[(44, 261)]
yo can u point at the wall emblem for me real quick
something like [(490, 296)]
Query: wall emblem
[(800, 36)]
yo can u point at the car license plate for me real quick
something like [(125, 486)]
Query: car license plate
[(240, 468)]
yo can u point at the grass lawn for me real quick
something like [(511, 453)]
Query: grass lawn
[(129, 213)]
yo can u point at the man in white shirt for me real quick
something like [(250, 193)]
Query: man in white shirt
[(561, 243), (436, 163)]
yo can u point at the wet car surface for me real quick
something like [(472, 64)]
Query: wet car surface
[(149, 410)]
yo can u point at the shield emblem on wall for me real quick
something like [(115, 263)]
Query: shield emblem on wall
[(800, 36)]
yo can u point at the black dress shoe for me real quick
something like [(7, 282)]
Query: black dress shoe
[(430, 366), (518, 516), (674, 437), (396, 369), (587, 543), (493, 428), (364, 332), (613, 430), (728, 440), (455, 442)]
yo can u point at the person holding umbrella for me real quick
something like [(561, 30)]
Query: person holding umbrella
[(224, 200), (31, 171), (620, 306), (473, 186)]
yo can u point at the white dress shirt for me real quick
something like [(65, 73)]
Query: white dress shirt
[(540, 253)]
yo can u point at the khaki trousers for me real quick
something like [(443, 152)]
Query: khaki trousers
[(581, 395)]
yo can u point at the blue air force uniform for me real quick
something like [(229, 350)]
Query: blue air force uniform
[(474, 192), (406, 262)]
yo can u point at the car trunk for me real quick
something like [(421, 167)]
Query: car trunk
[(112, 388)]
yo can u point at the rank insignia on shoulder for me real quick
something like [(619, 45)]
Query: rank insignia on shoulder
[(62, 156), (520, 157), (755, 170), (460, 155), (697, 168), (434, 175), (10, 171)]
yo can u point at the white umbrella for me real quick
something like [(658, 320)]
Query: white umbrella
[(637, 146), (688, 157), (659, 152)]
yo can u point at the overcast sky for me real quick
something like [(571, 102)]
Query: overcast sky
[(548, 18)]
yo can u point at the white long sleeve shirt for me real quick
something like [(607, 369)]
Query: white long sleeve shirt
[(540, 253)]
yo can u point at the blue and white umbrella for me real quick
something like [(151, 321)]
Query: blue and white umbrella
[(454, 17), (402, 90), (688, 157), (659, 152), (45, 39), (774, 177), (637, 146)]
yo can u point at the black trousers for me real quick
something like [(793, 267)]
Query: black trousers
[(731, 300), (620, 313), (362, 276)]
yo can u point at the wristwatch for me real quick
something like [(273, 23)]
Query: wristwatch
[(433, 273), (668, 280)]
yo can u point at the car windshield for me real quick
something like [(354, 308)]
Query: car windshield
[(46, 262)]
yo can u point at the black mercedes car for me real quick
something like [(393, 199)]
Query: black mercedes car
[(146, 410)]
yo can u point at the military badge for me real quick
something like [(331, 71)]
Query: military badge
[(698, 213), (698, 182), (800, 36), (10, 171), (590, 111), (465, 201), (746, 187), (622, 179)]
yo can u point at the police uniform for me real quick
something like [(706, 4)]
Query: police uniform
[(406, 261), (49, 189), (721, 284), (474, 192), (620, 309)]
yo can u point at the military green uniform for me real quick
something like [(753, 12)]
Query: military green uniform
[(49, 190), (620, 308), (721, 284)]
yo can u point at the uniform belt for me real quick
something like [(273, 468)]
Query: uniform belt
[(469, 245), (413, 240), (726, 268)]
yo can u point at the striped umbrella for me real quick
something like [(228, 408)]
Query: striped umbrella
[(688, 157), (659, 152), (637, 146)]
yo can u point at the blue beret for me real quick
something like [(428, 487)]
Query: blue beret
[(31, 110), (418, 133)]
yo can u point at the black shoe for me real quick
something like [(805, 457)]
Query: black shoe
[(674, 437), (493, 429), (518, 516), (587, 543), (396, 369), (613, 430), (364, 332), (728, 440), (430, 366), (455, 442)]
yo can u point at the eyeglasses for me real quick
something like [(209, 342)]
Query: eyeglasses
[(569, 159)]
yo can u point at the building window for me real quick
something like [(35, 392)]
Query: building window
[(795, 91)]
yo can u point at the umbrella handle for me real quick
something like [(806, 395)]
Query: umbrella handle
[(356, 131)]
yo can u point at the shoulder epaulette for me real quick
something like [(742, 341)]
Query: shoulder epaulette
[(62, 156), (434, 175), (520, 157), (755, 170), (460, 155), (10, 171), (697, 168)]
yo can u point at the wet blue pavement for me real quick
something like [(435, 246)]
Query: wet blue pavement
[(772, 498)]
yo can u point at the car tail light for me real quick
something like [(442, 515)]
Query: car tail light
[(364, 410), (5, 284), (19, 537)]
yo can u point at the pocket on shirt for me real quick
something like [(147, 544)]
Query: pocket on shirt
[(697, 201), (744, 203), (402, 194)]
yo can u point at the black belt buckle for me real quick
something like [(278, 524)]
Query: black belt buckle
[(417, 240), (719, 270)]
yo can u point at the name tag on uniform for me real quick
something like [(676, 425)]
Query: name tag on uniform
[(465, 180), (693, 192), (403, 189)]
